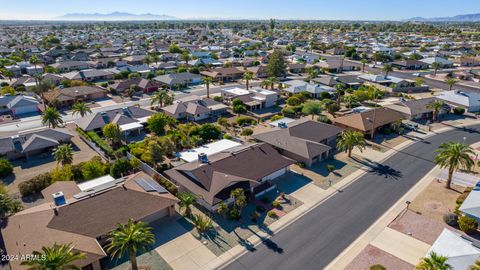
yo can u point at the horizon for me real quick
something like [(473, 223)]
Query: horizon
[(367, 10)]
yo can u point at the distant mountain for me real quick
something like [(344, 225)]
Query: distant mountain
[(114, 16), (459, 18)]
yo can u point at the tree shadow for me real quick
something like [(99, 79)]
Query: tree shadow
[(380, 169)]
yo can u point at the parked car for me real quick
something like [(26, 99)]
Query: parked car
[(410, 125), (416, 74)]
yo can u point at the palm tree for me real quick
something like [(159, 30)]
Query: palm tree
[(207, 81), (81, 108), (436, 106), (51, 117), (434, 262), (129, 239), (63, 154), (387, 68), (162, 98), (272, 81), (453, 155), (475, 265), (364, 62), (186, 201), (42, 87), (451, 82), (436, 66), (266, 83), (34, 60), (339, 91), (56, 257), (350, 139), (185, 57), (247, 76)]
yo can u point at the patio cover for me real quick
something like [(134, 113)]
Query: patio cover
[(130, 126)]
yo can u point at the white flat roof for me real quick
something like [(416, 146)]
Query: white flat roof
[(130, 126), (209, 149), (95, 182), (237, 91)]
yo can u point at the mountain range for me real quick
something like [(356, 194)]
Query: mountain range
[(114, 16), (459, 18)]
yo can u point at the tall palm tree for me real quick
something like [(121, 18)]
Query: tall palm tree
[(247, 76), (186, 201), (434, 262), (339, 91), (162, 98), (129, 239), (34, 60), (436, 66), (364, 62), (350, 139), (81, 108), (56, 257), (63, 154), (207, 81), (51, 117), (436, 106), (266, 83), (387, 68), (453, 155), (451, 82), (272, 81), (43, 87)]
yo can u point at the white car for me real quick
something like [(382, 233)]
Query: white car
[(410, 125), (416, 74)]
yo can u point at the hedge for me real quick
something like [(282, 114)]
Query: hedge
[(166, 184), (35, 185)]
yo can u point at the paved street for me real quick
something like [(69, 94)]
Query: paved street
[(318, 237)]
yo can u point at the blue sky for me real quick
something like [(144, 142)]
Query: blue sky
[(246, 9)]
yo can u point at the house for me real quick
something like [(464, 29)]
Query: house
[(259, 71), (444, 63), (461, 251), (131, 120), (89, 75), (18, 105), (468, 100), (24, 145), (71, 95), (351, 81), (254, 99), (410, 64), (369, 120), (413, 109), (224, 74), (393, 84), (84, 214), (302, 140), (196, 108), (135, 59), (179, 80), (296, 67), (208, 149), (298, 86), (68, 66), (212, 178), (467, 61), (140, 84), (335, 65), (471, 205)]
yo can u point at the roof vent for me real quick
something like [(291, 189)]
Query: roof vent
[(203, 158), (59, 198), (282, 125)]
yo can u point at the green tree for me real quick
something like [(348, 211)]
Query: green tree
[(350, 139), (81, 108), (8, 90), (92, 169), (187, 199), (276, 64), (451, 82), (364, 62), (436, 106), (453, 156), (129, 239), (207, 81), (56, 257), (157, 123), (51, 117), (247, 76), (112, 132), (162, 98), (387, 68), (312, 108), (63, 154), (6, 167), (121, 167), (8, 205), (434, 262), (239, 198), (185, 57), (436, 66)]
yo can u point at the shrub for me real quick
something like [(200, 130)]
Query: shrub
[(294, 101), (100, 143), (228, 136), (378, 267), (202, 223), (276, 117), (276, 204), (451, 219), (325, 95), (218, 98), (247, 132), (234, 214), (272, 214), (245, 121), (120, 167), (6, 168), (289, 112), (468, 225), (322, 118), (301, 164), (458, 110), (35, 185), (461, 198)]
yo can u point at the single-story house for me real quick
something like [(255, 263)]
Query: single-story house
[(444, 63), (85, 217), (410, 64), (254, 98), (298, 86), (18, 105), (141, 84), (24, 145), (335, 66), (468, 100), (259, 71), (179, 80), (302, 140), (413, 109), (368, 120), (212, 178), (70, 95), (68, 66), (224, 74), (131, 120), (196, 108), (90, 75)]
